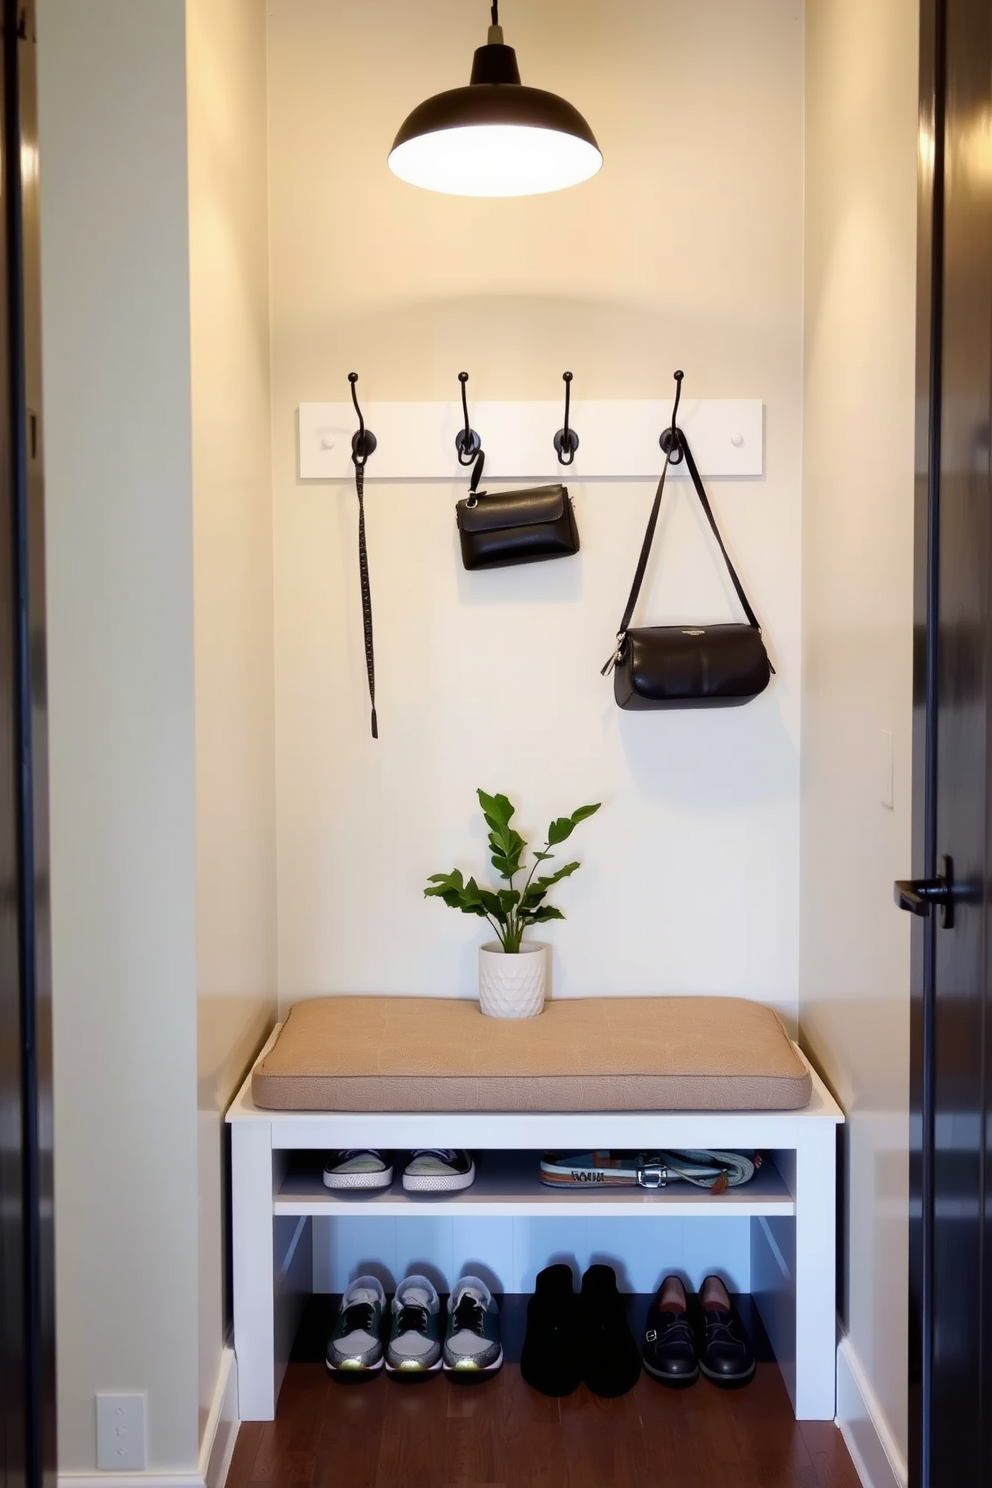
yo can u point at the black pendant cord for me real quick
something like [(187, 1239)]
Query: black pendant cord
[(363, 569), (495, 13)]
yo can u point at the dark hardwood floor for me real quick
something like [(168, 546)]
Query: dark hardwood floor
[(502, 1434)]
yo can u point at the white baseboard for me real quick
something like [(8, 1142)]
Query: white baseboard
[(129, 1480), (216, 1450), (221, 1431), (874, 1451)]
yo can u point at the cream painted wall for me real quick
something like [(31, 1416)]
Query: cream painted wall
[(232, 573), (120, 666), (861, 106), (686, 251)]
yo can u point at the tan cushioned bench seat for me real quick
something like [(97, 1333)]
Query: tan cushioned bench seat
[(587, 1054)]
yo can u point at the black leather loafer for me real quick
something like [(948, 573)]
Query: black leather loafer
[(669, 1352), (726, 1357), (551, 1360)]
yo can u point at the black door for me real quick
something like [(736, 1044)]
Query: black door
[(27, 1385), (950, 1237)]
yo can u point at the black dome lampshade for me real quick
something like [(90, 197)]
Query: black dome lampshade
[(495, 137)]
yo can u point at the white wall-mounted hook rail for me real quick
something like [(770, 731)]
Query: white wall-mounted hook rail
[(416, 441)]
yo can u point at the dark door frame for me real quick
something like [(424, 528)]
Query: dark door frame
[(28, 1445), (941, 54), (930, 269)]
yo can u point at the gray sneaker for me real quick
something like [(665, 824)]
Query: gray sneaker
[(358, 1167), (472, 1343), (438, 1170), (355, 1345), (414, 1346)]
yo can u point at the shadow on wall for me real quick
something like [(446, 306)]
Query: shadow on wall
[(517, 346), (719, 757)]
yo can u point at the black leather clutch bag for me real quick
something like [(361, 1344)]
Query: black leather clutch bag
[(687, 666), (516, 527)]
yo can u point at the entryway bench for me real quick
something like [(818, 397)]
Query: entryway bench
[(588, 1074)]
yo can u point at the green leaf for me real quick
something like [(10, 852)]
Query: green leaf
[(499, 842), (454, 892), (473, 894), (509, 899), (538, 916), (492, 906), (497, 807), (540, 886), (560, 829), (445, 883), (542, 857), (457, 901), (506, 853), (583, 812)]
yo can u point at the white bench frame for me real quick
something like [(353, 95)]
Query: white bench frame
[(793, 1232)]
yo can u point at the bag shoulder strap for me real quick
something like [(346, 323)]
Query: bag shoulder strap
[(704, 503), (642, 562)]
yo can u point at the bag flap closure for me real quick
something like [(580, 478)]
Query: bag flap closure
[(512, 509)]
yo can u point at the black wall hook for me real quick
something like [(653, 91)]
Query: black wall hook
[(467, 442), (363, 442), (669, 441), (566, 440)]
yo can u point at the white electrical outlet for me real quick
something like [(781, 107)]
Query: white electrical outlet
[(120, 1433)]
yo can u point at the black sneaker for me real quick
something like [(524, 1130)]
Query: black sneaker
[(726, 1357), (612, 1360), (438, 1170), (669, 1352), (472, 1347), (551, 1361)]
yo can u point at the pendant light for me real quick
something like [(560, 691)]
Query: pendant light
[(495, 137)]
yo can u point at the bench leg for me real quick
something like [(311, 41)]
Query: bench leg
[(253, 1270), (816, 1275)]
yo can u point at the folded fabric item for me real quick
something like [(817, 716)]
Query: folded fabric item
[(710, 1169)]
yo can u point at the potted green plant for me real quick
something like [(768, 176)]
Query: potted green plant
[(512, 972)]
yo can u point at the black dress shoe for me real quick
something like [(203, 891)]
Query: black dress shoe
[(669, 1352), (612, 1361), (726, 1357), (551, 1360)]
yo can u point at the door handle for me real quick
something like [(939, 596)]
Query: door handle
[(916, 895)]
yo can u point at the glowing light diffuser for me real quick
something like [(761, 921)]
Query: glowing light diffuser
[(495, 137)]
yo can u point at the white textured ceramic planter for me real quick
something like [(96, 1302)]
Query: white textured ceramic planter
[(512, 986)]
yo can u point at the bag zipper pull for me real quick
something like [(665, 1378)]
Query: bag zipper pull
[(608, 668)]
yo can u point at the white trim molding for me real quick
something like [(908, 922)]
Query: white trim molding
[(874, 1451), (216, 1449), (221, 1430), (130, 1480)]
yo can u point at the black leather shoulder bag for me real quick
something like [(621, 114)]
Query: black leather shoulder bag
[(515, 526), (687, 666)]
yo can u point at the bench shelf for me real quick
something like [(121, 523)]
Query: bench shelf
[(506, 1183)]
